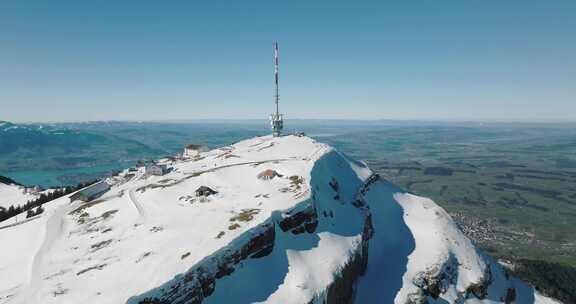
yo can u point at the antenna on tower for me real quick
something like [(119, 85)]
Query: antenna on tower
[(276, 118)]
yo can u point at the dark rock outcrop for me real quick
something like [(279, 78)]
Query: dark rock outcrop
[(8, 181), (480, 289), (199, 282), (510, 296), (341, 291), (435, 282), (300, 222)]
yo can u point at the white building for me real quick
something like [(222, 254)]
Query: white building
[(33, 190), (154, 169), (194, 150)]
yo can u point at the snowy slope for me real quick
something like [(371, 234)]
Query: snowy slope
[(325, 231), (14, 195), (438, 263)]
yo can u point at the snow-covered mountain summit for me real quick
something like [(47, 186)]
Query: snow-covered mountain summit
[(267, 220)]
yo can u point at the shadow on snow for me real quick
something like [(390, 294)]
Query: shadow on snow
[(389, 248)]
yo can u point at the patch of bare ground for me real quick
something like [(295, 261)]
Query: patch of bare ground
[(224, 155), (193, 199), (296, 181), (60, 291), (57, 274), (166, 180), (84, 206), (100, 245), (266, 147), (186, 198), (108, 214), (234, 226), (256, 144), (286, 189), (96, 267), (245, 215), (173, 183), (87, 205), (156, 229), (143, 256), (82, 218)]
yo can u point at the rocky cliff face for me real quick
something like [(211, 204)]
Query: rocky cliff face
[(319, 209), (455, 271)]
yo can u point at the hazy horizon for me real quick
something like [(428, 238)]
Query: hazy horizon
[(295, 123)]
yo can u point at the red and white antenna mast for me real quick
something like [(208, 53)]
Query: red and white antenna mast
[(276, 118)]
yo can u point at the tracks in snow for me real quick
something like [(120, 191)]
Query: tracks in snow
[(54, 226), (237, 164), (137, 204)]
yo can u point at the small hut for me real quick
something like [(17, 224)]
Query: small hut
[(204, 191), (194, 150), (268, 174), (33, 190)]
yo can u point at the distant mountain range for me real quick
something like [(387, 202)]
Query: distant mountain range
[(18, 138), (7, 181), (59, 154), (27, 147)]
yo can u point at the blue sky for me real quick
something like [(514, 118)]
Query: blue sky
[(160, 60)]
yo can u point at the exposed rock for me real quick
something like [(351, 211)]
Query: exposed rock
[(334, 185), (341, 291), (300, 222), (510, 296), (480, 289), (417, 298), (436, 281), (199, 282)]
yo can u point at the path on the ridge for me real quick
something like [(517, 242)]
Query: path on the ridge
[(236, 164), (20, 222), (137, 204), (54, 225)]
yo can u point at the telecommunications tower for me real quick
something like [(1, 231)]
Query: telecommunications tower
[(276, 118)]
